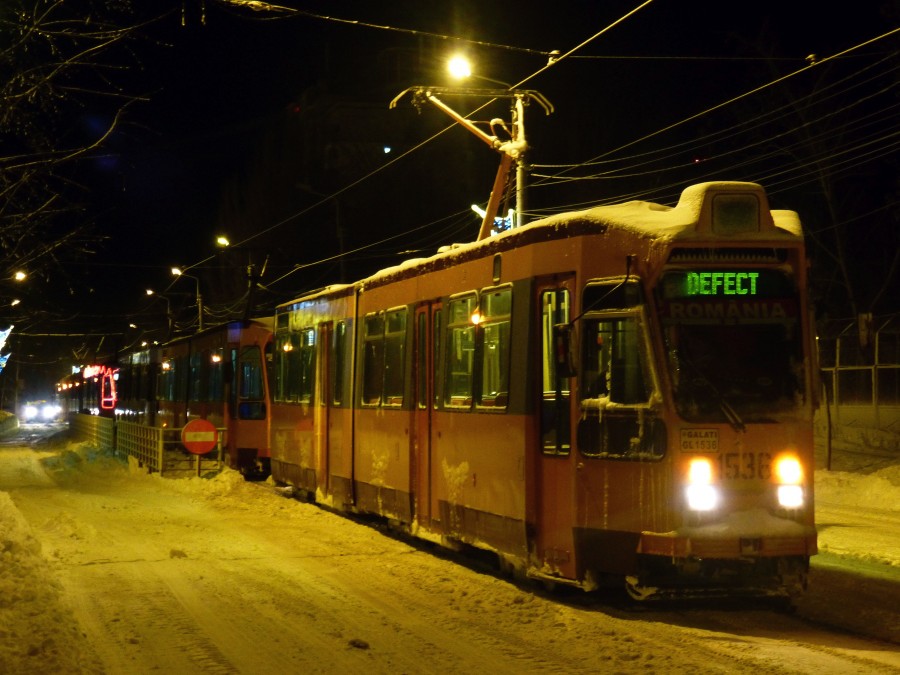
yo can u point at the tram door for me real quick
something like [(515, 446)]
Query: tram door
[(322, 408), (555, 489), (427, 358)]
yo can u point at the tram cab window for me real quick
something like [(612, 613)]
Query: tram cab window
[(250, 392), (617, 388)]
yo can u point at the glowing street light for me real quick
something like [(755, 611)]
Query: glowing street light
[(150, 291), (460, 68), (513, 146), (177, 271)]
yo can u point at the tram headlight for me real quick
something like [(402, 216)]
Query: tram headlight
[(701, 494), (789, 476)]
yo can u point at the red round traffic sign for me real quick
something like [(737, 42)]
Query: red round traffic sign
[(199, 436)]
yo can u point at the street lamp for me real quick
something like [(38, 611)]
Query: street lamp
[(513, 147), (460, 68), (179, 273), (150, 291)]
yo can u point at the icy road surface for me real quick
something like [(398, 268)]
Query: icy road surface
[(109, 571)]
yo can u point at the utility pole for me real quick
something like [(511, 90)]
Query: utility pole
[(512, 150)]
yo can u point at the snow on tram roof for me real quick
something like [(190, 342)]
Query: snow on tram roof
[(680, 221), (648, 219)]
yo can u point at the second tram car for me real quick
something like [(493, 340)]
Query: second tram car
[(622, 393), (220, 375)]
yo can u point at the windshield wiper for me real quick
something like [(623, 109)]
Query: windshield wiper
[(731, 415)]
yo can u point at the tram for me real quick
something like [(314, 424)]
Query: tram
[(623, 394), (220, 375)]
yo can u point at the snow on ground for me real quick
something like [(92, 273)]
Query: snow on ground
[(40, 634)]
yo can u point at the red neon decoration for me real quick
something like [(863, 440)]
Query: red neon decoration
[(109, 397)]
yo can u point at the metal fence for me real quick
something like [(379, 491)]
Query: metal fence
[(156, 449), (860, 366)]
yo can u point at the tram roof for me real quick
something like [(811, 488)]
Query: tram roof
[(682, 222)]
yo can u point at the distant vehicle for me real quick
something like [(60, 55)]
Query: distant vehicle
[(41, 412)]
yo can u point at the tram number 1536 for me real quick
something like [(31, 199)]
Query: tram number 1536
[(745, 465)]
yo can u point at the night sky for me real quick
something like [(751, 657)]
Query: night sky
[(234, 135)]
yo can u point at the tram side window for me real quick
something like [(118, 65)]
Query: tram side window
[(196, 377), (384, 356), (495, 328), (421, 362), (373, 359), (280, 366), (295, 366), (215, 387), (250, 389), (394, 356), (340, 363), (166, 388), (555, 432), (460, 362), (182, 372), (306, 365), (436, 358)]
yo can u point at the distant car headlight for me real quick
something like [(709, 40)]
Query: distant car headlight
[(48, 412), (29, 412)]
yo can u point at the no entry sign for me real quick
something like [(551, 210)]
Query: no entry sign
[(199, 436)]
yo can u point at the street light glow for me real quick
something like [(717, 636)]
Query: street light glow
[(459, 67)]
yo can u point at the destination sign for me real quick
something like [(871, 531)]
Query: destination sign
[(733, 283), (720, 283)]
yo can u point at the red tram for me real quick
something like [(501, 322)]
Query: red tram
[(220, 375), (622, 393)]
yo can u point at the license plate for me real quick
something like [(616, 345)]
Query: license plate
[(699, 440)]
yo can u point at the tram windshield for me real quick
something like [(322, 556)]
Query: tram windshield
[(733, 344)]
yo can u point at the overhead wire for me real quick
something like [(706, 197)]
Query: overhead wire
[(398, 158), (551, 62)]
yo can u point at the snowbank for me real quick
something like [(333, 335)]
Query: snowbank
[(36, 633)]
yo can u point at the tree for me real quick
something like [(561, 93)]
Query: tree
[(61, 100)]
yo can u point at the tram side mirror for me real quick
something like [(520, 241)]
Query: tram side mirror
[(563, 352)]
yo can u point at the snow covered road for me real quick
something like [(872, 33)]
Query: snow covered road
[(138, 574)]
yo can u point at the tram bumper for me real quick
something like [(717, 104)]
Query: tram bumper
[(674, 545), (677, 565)]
